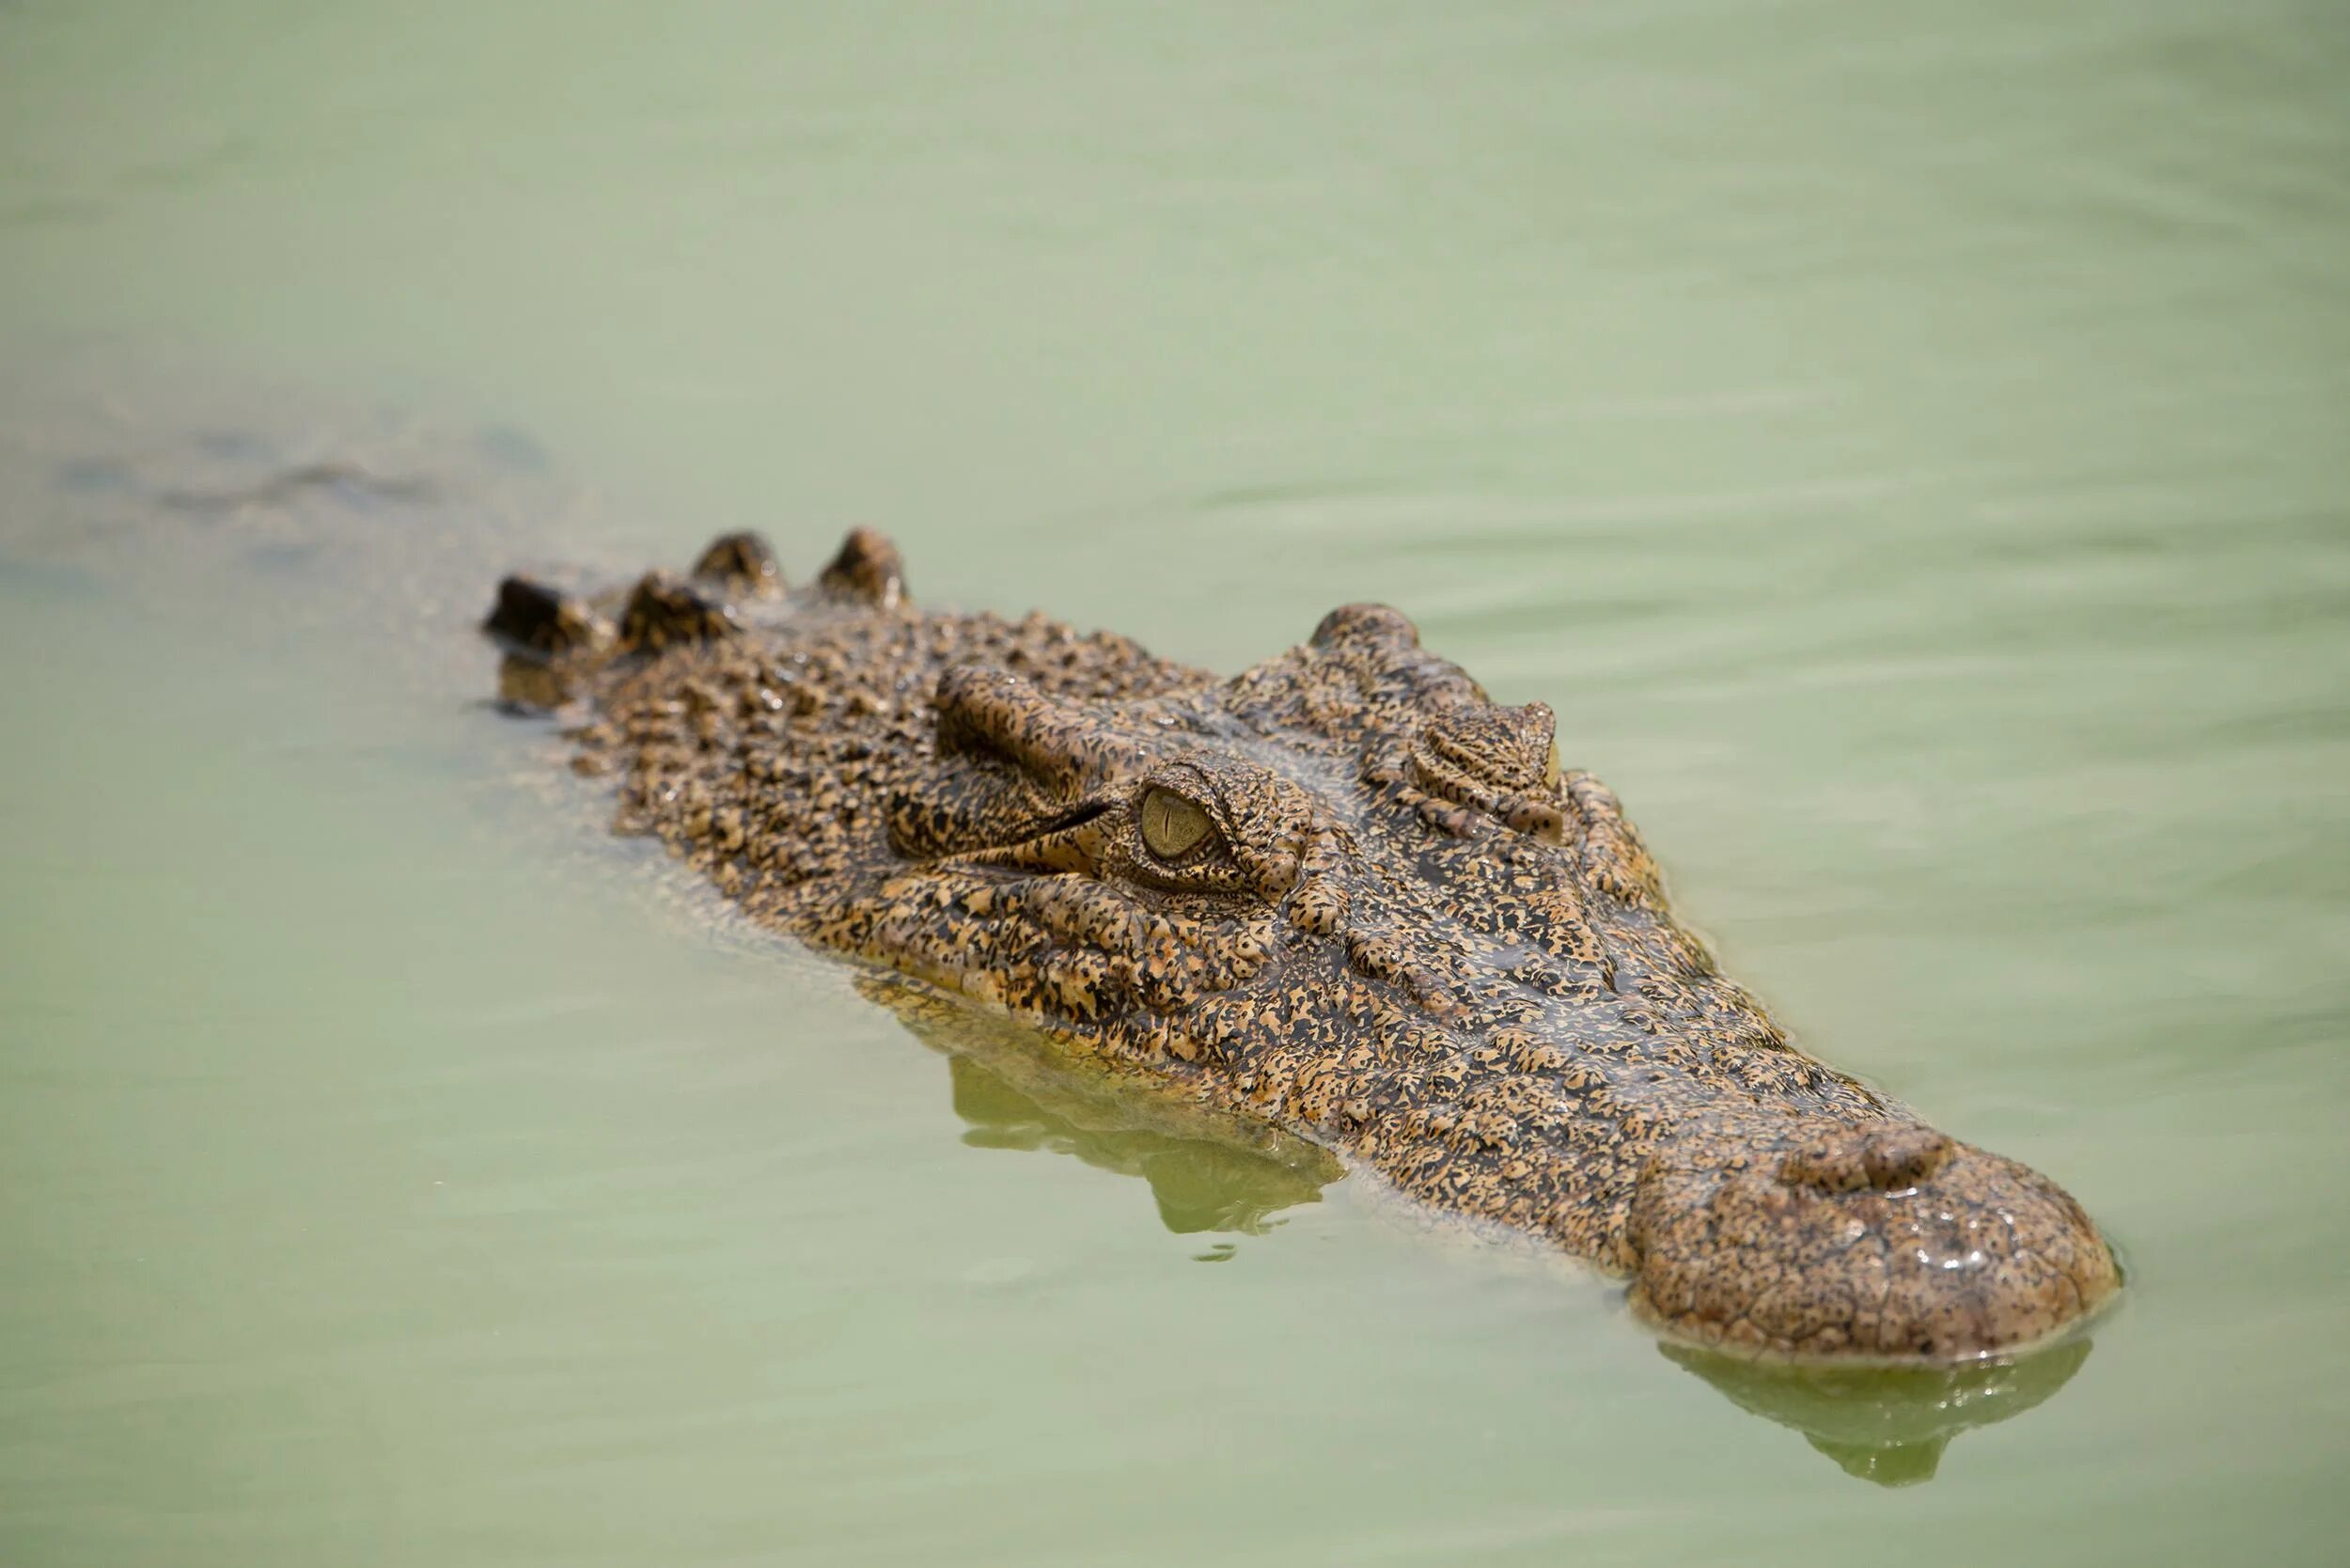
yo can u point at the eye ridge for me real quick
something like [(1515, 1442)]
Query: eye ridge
[(1174, 827)]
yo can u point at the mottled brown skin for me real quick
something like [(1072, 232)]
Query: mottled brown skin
[(1342, 893)]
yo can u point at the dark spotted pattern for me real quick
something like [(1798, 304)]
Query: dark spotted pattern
[(1409, 936)]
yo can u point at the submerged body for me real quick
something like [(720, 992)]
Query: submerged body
[(1342, 893)]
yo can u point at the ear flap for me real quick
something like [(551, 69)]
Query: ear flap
[(1060, 745)]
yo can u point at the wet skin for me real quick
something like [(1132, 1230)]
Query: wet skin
[(1342, 894)]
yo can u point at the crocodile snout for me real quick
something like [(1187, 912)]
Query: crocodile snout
[(1877, 1239)]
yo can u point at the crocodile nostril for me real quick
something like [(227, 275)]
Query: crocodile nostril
[(1853, 1159)]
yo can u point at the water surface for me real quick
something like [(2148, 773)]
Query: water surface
[(1902, 440)]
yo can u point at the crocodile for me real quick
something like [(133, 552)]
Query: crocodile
[(1342, 894)]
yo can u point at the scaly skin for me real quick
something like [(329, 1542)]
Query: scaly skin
[(1342, 893)]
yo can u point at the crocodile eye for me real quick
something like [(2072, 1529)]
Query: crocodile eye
[(1172, 826)]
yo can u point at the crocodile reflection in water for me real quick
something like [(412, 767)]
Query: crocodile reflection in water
[(1344, 894), (1889, 1425), (1201, 1185), (1208, 1172)]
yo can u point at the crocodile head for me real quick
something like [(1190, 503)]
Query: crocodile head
[(1346, 894)]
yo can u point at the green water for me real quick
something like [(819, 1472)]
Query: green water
[(1906, 441)]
